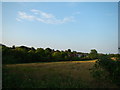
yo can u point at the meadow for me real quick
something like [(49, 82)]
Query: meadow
[(64, 74)]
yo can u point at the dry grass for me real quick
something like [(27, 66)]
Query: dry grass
[(55, 74)]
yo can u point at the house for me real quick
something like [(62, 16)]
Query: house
[(78, 55)]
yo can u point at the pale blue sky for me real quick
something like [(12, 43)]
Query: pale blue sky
[(78, 26)]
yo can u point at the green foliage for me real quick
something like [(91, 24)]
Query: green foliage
[(69, 50), (57, 56), (25, 54), (93, 54), (40, 53), (111, 66)]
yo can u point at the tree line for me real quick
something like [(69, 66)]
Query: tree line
[(24, 54)]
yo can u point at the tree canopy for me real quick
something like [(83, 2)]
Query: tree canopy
[(24, 54)]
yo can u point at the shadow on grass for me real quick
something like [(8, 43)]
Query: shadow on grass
[(18, 79)]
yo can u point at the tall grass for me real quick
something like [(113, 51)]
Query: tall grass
[(72, 74)]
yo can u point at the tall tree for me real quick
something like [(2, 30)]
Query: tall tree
[(93, 54)]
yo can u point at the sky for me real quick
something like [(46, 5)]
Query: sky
[(79, 26)]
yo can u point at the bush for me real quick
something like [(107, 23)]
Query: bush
[(111, 66)]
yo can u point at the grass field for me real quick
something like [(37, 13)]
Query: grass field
[(69, 74)]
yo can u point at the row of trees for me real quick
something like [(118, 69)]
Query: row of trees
[(25, 54)]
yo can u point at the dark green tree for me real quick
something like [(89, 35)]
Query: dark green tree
[(57, 55), (69, 50), (13, 47), (93, 54), (40, 54)]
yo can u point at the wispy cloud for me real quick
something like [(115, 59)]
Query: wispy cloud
[(18, 19), (43, 17), (23, 15), (43, 14)]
